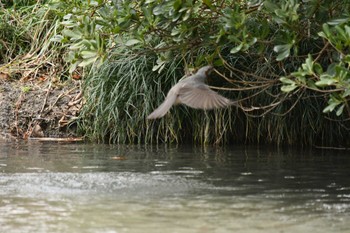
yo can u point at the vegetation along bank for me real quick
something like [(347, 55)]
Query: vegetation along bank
[(98, 68)]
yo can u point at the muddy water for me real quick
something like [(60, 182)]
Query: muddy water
[(52, 187)]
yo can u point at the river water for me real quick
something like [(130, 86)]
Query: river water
[(54, 187)]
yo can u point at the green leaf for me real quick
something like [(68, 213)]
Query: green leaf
[(323, 35), (73, 66), (175, 31), (158, 10), (346, 92), (252, 41), (177, 4), (218, 62), (326, 31), (208, 3), (57, 38), (183, 9), (330, 107), (148, 14), (324, 82), (89, 54), (161, 62), (237, 48), (288, 88), (287, 81), (318, 68), (283, 51), (341, 32), (347, 30), (338, 21), (77, 45), (161, 45), (340, 110), (73, 34), (347, 58), (88, 61), (311, 83), (271, 7), (132, 42), (308, 65), (331, 70), (187, 15), (299, 74)]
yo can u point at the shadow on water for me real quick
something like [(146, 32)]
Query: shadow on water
[(51, 187)]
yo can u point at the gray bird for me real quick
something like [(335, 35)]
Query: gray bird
[(193, 92)]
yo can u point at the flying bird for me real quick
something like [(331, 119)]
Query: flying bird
[(193, 92)]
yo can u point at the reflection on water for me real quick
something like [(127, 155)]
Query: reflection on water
[(52, 187)]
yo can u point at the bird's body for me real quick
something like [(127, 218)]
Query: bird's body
[(193, 92)]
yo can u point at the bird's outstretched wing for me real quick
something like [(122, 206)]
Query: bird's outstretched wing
[(164, 107), (201, 96)]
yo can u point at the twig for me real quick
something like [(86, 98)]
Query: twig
[(331, 147), (60, 96), (290, 109), (239, 89), (322, 50), (227, 65), (58, 139), (46, 97), (18, 106)]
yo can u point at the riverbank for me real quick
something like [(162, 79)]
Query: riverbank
[(289, 72), (39, 108)]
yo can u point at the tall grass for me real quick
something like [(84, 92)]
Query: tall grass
[(121, 94), (25, 47), (123, 91)]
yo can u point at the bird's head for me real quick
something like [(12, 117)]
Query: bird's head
[(205, 70)]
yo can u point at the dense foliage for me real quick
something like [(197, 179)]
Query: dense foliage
[(286, 61)]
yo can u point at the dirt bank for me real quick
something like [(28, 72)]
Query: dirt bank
[(39, 109)]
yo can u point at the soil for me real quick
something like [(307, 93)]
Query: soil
[(39, 109)]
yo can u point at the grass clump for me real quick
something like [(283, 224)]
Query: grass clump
[(26, 49), (122, 92)]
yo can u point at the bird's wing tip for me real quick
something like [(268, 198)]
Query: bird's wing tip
[(150, 117), (154, 115)]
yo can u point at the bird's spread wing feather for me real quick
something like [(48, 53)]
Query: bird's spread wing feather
[(202, 97), (164, 107)]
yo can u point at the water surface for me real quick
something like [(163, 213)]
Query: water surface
[(54, 187)]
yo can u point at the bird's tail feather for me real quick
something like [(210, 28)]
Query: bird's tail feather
[(163, 108)]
